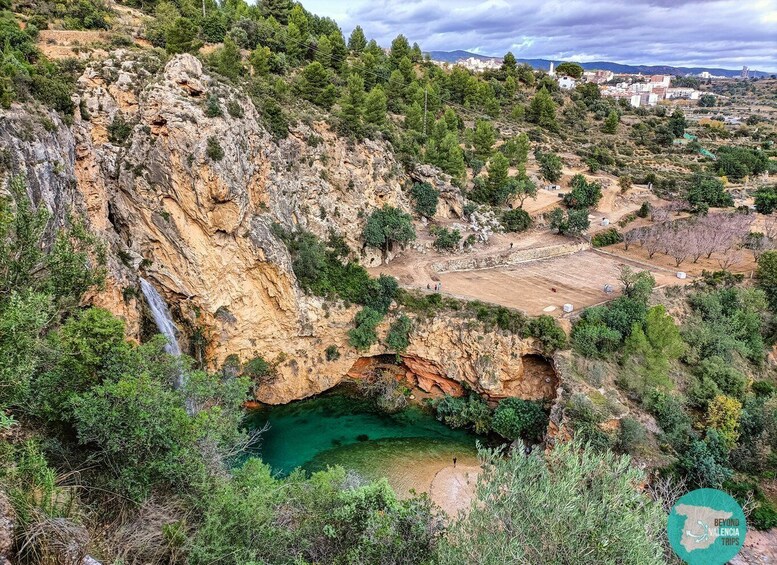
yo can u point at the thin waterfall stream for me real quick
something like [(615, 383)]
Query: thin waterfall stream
[(164, 322)]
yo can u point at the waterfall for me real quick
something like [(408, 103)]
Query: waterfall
[(163, 321), (161, 316), (167, 328)]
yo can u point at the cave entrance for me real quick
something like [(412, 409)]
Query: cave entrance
[(540, 376), (420, 374)]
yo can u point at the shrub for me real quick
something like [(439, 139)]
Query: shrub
[(607, 237), (398, 337), (548, 332), (644, 210), (386, 226), (519, 496), (235, 109), (258, 370), (332, 353), (363, 335), (631, 436), (212, 107), (214, 150), (459, 412), (446, 240), (515, 418), (572, 223), (584, 194), (425, 199), (766, 199), (119, 129), (516, 220)]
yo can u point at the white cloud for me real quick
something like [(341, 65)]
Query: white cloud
[(726, 33)]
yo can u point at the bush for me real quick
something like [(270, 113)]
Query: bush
[(446, 240), (708, 192), (515, 418), (631, 436), (398, 337), (766, 199), (332, 353), (545, 329), (594, 339), (459, 412), (516, 220), (214, 150), (644, 210), (258, 370), (519, 496), (584, 194), (212, 107), (607, 237), (362, 336), (425, 199), (235, 109), (573, 223), (387, 226), (119, 129)]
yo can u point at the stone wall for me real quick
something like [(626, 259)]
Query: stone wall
[(472, 263)]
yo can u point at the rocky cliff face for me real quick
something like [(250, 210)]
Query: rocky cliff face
[(188, 201)]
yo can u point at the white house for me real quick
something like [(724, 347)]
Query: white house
[(566, 83)]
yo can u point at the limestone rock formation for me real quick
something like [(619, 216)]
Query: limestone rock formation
[(189, 202)]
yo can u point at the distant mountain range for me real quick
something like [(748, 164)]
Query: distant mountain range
[(453, 56)]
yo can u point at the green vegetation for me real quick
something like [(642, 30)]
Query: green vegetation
[(599, 495), (445, 239), (387, 226), (584, 194), (425, 199), (609, 236), (26, 74), (516, 220), (766, 199), (513, 418), (573, 222)]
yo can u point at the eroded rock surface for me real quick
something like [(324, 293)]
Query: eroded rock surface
[(189, 202)]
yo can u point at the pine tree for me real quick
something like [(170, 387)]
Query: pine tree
[(324, 51), (542, 110), (400, 48), (611, 123), (498, 172), (352, 105), (339, 49), (452, 156), (416, 55), (228, 59), (357, 41), (509, 64), (483, 139), (295, 48), (314, 79), (298, 17), (260, 60), (395, 90), (414, 117), (375, 107), (278, 9), (182, 37)]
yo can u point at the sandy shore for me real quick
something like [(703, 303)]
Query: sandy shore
[(452, 489)]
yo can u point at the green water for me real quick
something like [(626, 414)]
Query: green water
[(340, 429)]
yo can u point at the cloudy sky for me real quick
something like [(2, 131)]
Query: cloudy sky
[(724, 33)]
